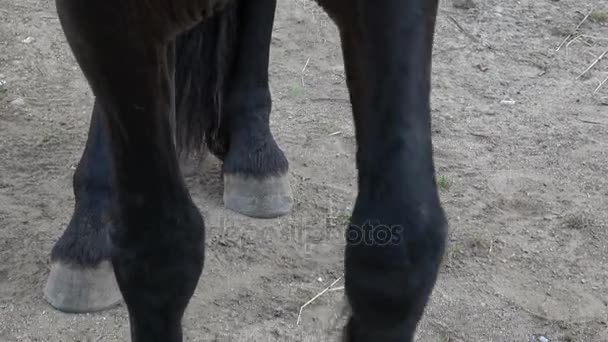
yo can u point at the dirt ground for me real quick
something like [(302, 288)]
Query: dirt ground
[(521, 147)]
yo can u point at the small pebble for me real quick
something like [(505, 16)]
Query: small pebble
[(542, 339), (28, 40), (320, 280), (338, 69), (463, 4), (481, 67), (18, 102)]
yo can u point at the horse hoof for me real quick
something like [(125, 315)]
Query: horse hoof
[(259, 198), (75, 289)]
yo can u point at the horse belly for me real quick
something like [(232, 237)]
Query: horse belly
[(172, 17), (192, 12)]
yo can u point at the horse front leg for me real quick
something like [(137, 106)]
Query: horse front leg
[(396, 237), (156, 232)]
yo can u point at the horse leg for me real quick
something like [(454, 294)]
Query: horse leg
[(157, 233), (396, 236), (81, 277), (255, 169), (223, 92)]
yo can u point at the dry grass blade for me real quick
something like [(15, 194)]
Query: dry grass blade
[(593, 37), (600, 85), (595, 61), (577, 37), (315, 298), (467, 33), (303, 70), (589, 121), (574, 31)]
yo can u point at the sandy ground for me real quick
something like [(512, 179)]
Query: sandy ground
[(521, 148)]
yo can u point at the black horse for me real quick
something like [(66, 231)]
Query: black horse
[(183, 75)]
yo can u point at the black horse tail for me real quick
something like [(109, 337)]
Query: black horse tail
[(204, 57)]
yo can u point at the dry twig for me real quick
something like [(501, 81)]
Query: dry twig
[(589, 121), (315, 297), (329, 99)]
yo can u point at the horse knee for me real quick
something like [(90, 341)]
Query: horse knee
[(158, 257)]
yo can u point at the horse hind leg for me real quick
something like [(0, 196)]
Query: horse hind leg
[(156, 233), (229, 53), (255, 169)]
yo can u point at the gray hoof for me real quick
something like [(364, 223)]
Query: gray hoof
[(75, 289), (260, 198)]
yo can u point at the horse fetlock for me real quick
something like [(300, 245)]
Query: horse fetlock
[(391, 269), (85, 240), (256, 179), (81, 277), (157, 275), (357, 331)]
